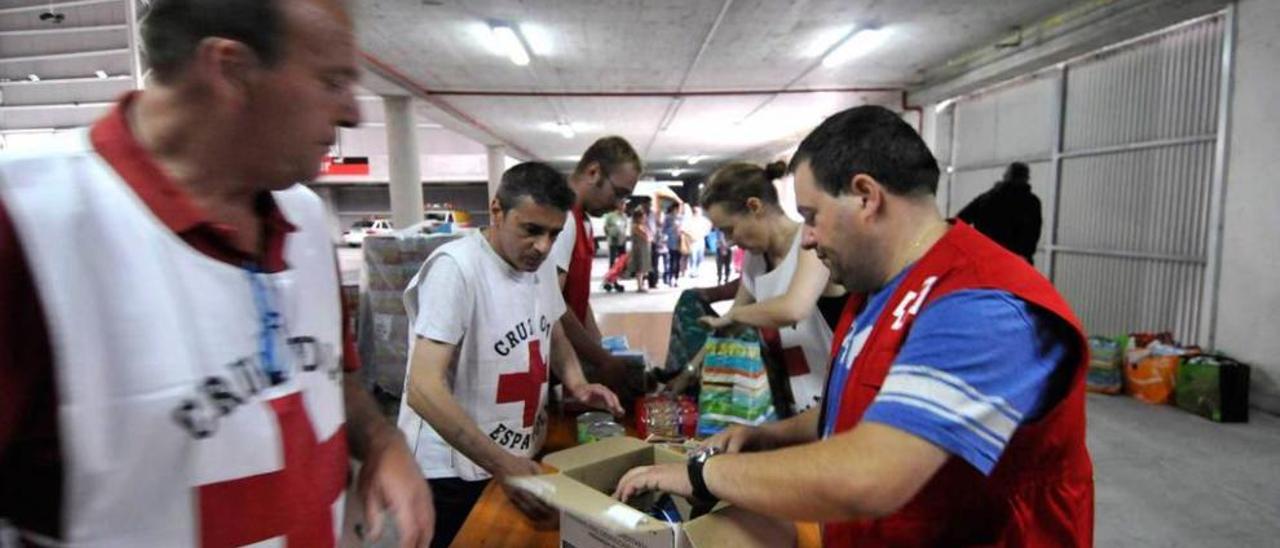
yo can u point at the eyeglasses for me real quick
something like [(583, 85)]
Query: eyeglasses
[(619, 193)]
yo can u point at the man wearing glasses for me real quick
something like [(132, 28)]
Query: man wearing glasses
[(606, 175)]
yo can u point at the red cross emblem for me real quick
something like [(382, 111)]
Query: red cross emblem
[(527, 386), (295, 502), (792, 357)]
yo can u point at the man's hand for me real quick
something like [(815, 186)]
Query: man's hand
[(598, 395), (736, 439), (665, 478), (528, 504), (390, 481)]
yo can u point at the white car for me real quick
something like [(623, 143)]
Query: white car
[(360, 229)]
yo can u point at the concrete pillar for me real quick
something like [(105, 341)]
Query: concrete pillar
[(402, 151), (497, 165), (330, 211)]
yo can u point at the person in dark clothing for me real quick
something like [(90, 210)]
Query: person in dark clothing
[(1008, 213)]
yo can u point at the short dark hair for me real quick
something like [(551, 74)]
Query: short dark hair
[(611, 153), (173, 29), (872, 140), (1017, 171), (537, 181), (733, 184)]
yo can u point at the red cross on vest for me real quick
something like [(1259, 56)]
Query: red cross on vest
[(792, 357), (295, 502), (527, 386)]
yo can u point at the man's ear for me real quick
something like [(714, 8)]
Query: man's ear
[(495, 212), (868, 192), (226, 68)]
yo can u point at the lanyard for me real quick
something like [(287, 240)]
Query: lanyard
[(270, 321)]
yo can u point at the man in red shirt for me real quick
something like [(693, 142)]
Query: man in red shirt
[(245, 100), (606, 175)]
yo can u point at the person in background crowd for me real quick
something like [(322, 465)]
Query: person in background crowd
[(724, 258), (1008, 213), (615, 230), (696, 227), (641, 261), (671, 233)]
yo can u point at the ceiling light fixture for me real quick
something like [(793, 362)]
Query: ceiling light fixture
[(676, 172), (566, 130), (33, 78), (102, 74), (509, 43), (693, 160), (856, 45)]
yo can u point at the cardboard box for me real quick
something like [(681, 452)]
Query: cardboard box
[(590, 518)]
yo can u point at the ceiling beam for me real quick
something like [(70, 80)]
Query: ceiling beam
[(64, 56), (465, 122), (58, 106), (61, 30), (662, 93), (63, 81), (43, 6)]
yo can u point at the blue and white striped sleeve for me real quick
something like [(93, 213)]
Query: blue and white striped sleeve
[(976, 365)]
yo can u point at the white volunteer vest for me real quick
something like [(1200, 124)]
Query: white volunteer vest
[(812, 335), (170, 436), (492, 376)]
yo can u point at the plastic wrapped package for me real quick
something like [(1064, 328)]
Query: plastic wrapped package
[(390, 262)]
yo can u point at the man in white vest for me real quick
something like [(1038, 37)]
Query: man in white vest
[(486, 314), (172, 350)]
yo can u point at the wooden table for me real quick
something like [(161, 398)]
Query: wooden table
[(496, 522)]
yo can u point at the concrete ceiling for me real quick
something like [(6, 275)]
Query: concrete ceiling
[(618, 66), (719, 79)]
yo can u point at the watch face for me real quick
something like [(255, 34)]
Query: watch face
[(701, 455)]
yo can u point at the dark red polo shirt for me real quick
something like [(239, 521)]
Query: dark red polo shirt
[(30, 455)]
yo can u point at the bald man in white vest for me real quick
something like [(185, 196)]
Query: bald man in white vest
[(174, 359)]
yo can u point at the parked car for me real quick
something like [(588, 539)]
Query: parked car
[(445, 221), (361, 229)]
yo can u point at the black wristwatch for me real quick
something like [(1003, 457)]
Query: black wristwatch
[(696, 461)]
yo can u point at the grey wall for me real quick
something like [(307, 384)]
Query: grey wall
[(1249, 309)]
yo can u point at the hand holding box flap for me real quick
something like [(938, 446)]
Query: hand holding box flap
[(591, 518)]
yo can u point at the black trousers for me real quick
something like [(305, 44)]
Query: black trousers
[(724, 268), (616, 251), (453, 500)]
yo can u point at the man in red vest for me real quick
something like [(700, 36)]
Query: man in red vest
[(954, 411), (606, 175)]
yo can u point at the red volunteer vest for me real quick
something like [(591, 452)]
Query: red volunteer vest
[(1041, 491), (577, 284)]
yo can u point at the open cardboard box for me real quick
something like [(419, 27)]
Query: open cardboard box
[(589, 517)]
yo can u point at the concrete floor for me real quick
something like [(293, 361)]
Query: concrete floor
[(1165, 478), (1169, 478)]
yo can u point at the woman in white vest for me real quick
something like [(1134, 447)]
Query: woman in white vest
[(781, 282), (486, 312)]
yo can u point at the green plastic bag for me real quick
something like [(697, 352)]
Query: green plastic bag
[(1214, 387)]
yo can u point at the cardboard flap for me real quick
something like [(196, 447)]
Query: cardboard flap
[(731, 526), (591, 453), (588, 504)]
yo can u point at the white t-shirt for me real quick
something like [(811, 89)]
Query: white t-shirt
[(468, 296), (562, 250), (806, 345)]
